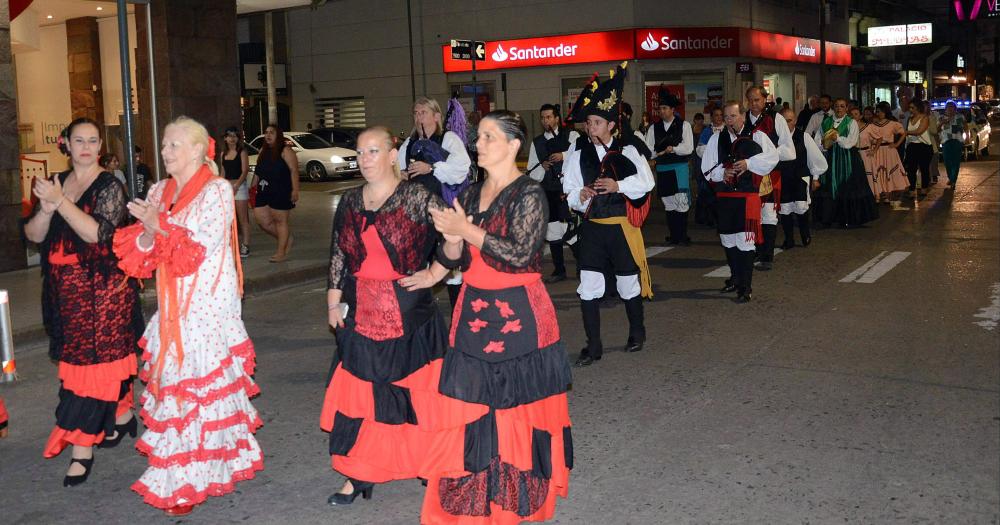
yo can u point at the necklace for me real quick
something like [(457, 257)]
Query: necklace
[(374, 202)]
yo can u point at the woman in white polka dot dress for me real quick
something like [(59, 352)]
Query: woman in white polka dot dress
[(198, 358)]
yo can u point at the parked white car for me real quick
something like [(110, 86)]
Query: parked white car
[(317, 158)]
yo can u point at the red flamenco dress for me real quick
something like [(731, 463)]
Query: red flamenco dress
[(198, 358), (382, 406), (511, 456), (92, 317)]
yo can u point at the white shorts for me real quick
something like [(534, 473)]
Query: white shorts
[(243, 191)]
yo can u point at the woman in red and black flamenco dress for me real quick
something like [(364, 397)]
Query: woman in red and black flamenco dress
[(509, 457), (381, 403), (89, 306)]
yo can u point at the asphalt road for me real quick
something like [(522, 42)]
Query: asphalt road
[(860, 386)]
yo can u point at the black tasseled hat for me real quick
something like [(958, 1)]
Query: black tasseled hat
[(667, 98), (601, 99)]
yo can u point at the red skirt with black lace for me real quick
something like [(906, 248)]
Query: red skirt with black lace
[(92, 326), (509, 455), (3, 414), (382, 407)]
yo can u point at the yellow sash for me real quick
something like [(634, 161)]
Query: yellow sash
[(633, 236)]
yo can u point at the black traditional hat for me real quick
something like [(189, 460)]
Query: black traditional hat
[(603, 100), (667, 98)]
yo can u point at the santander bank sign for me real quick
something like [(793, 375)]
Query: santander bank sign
[(604, 46), (687, 42)]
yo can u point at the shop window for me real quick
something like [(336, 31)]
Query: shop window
[(698, 92), (340, 112), (481, 96)]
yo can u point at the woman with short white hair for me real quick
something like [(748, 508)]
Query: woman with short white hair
[(198, 357)]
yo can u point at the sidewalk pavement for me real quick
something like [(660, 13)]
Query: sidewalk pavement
[(312, 220)]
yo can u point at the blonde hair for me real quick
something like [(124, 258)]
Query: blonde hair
[(390, 141), (435, 108), (197, 134)]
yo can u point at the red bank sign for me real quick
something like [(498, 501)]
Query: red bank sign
[(682, 42), (581, 48)]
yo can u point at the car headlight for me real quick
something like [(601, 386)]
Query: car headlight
[(336, 159)]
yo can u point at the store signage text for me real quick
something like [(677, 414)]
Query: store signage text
[(900, 35), (653, 43), (605, 46), (975, 9)]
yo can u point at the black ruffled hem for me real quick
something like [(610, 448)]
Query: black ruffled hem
[(518, 491), (506, 384), (391, 360), (87, 414)]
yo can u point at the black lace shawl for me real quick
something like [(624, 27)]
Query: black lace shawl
[(105, 202), (515, 227), (403, 225)]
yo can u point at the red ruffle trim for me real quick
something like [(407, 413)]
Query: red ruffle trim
[(3, 412), (61, 438), (177, 250), (244, 350), (99, 381), (180, 423), (198, 455), (193, 497)]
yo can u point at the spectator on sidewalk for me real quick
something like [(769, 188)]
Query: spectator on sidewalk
[(235, 164), (110, 163), (276, 177)]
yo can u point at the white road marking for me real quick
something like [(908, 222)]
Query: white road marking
[(878, 266), (316, 290), (656, 250), (990, 314), (723, 271)]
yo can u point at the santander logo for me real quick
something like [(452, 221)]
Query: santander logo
[(649, 44), (499, 55), (534, 52), (803, 50)]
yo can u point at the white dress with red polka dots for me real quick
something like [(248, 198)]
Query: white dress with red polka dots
[(198, 417)]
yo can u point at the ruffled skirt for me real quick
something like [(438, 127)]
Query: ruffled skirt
[(91, 397), (509, 457), (382, 407), (854, 204), (885, 171), (199, 420)]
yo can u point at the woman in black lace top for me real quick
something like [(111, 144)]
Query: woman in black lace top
[(381, 407), (90, 308), (506, 364)]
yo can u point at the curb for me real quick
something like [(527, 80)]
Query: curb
[(35, 336)]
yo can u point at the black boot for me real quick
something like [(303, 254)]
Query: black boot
[(592, 327), (558, 262), (767, 249), (672, 227), (636, 324), (682, 228), (788, 225), (733, 270), (744, 287), (453, 291), (804, 228)]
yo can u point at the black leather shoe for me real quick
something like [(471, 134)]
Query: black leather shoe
[(686, 241), (72, 481), (360, 487), (554, 278), (632, 345), (729, 287), (763, 266), (131, 428), (585, 360), (807, 241), (744, 297), (788, 244)]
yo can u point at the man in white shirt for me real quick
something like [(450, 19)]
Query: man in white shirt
[(736, 161), (672, 142), (825, 108), (798, 177), (608, 182), (545, 165)]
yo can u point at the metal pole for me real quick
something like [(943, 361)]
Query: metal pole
[(475, 86), (133, 184), (409, 29), (8, 370), (822, 46), (272, 95), (152, 93)]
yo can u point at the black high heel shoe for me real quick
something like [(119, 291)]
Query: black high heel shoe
[(132, 428), (72, 481), (360, 487)]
